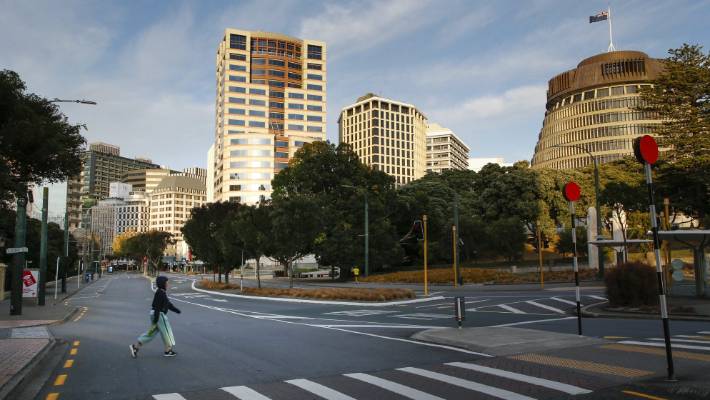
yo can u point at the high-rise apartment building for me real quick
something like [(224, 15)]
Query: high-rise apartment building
[(145, 180), (593, 108), (103, 223), (271, 99), (170, 205), (101, 164), (387, 135), (444, 150), (133, 214)]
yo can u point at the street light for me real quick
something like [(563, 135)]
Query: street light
[(82, 101), (596, 198), (367, 229)]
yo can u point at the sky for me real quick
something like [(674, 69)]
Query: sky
[(479, 68)]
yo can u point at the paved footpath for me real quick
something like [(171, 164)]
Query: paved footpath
[(237, 348), (25, 338)]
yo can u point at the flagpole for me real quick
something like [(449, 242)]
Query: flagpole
[(611, 40)]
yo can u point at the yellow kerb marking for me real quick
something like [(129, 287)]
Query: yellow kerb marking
[(60, 380), (73, 351), (657, 352), (645, 396), (68, 363), (76, 343), (588, 366), (52, 396)]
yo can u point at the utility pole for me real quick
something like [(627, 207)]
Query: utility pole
[(64, 266), (18, 260), (43, 249), (457, 251), (426, 256), (367, 236)]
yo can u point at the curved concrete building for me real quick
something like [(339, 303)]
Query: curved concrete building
[(594, 108)]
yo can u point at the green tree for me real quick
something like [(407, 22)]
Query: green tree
[(295, 225), (506, 237), (151, 245), (680, 96), (254, 224), (565, 244), (623, 191), (37, 144)]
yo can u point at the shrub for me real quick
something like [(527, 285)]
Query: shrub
[(632, 284)]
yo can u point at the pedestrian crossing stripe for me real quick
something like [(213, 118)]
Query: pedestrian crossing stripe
[(325, 392), (545, 306)]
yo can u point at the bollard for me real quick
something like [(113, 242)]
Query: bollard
[(460, 309)]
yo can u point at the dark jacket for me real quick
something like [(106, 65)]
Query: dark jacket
[(161, 303)]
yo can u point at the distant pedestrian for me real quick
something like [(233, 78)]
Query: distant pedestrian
[(159, 320)]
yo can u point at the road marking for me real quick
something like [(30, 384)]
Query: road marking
[(704, 332), (509, 308), (423, 316), (658, 352), (546, 307), (706, 338), (168, 396), (645, 396), (675, 346), (684, 340), (531, 322), (76, 343), (68, 363), (470, 385), (401, 390), (383, 326), (559, 386), (360, 313), (319, 390), (588, 366), (244, 393), (60, 380), (564, 301), (73, 351), (52, 396), (597, 297), (615, 337), (434, 305)]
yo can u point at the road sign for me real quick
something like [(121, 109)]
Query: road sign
[(646, 149), (13, 250), (678, 275), (572, 191)]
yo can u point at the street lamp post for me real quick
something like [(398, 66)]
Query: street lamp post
[(596, 199), (367, 229)]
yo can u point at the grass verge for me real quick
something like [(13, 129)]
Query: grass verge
[(352, 294), (476, 275)]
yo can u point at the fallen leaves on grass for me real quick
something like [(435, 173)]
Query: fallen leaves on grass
[(477, 275), (353, 294)]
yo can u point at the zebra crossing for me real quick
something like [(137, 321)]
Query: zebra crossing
[(555, 305), (699, 342), (453, 380)]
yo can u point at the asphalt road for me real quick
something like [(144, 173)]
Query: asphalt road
[(291, 350)]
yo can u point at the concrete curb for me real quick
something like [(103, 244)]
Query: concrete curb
[(309, 301), (635, 315), (14, 382)]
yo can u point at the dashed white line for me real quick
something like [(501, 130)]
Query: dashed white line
[(545, 306), (471, 385), (597, 297), (511, 309), (564, 301), (531, 322)]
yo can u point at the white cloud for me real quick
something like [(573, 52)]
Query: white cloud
[(355, 26), (517, 100)]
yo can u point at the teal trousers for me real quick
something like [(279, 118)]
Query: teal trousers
[(162, 327)]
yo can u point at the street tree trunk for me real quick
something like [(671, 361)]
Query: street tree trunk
[(290, 270), (258, 273), (226, 276)]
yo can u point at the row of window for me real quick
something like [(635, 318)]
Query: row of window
[(599, 93), (596, 119), (249, 176), (378, 105), (249, 187), (239, 89), (250, 153), (592, 106), (261, 141), (594, 133), (250, 164)]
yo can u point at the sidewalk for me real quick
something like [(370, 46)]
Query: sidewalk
[(25, 339)]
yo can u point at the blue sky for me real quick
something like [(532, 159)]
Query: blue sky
[(479, 68)]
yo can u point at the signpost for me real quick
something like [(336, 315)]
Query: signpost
[(426, 260), (571, 192), (646, 152)]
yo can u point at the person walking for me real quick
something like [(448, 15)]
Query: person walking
[(159, 320)]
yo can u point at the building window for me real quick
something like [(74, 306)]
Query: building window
[(315, 77), (257, 124), (311, 86), (315, 118), (315, 129), (280, 154), (237, 100), (237, 89), (277, 63), (276, 83), (295, 106), (275, 72), (315, 52), (295, 95), (295, 116), (293, 75), (276, 104), (237, 122), (293, 65), (257, 91), (314, 66), (295, 127), (237, 42), (314, 108), (255, 102), (237, 111), (235, 67), (236, 56), (315, 97), (275, 115), (258, 61)]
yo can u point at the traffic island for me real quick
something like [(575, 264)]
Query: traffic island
[(344, 294), (503, 341), (679, 308), (487, 276)]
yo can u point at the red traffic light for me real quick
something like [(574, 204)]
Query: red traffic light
[(571, 191), (646, 149)]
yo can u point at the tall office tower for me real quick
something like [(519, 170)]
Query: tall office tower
[(444, 150), (271, 99), (387, 135), (170, 205), (133, 214), (101, 164), (594, 109), (103, 224), (145, 180)]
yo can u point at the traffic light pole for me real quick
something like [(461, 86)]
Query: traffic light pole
[(18, 260)]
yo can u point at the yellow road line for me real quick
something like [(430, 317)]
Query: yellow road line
[(73, 351), (60, 380), (68, 363), (52, 396), (588, 366), (657, 352), (645, 396), (76, 343)]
